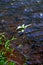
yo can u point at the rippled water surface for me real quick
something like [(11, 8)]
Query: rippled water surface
[(29, 44)]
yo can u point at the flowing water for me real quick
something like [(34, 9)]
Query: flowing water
[(29, 44)]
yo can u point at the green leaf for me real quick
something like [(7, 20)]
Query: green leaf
[(23, 26), (3, 61), (13, 38), (7, 44), (12, 63), (4, 36), (3, 53), (1, 40)]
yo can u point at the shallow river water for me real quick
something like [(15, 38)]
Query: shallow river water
[(29, 44)]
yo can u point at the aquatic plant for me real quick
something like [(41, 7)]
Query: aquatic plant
[(22, 27), (6, 44)]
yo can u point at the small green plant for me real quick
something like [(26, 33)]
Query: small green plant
[(12, 63), (22, 27), (3, 59)]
